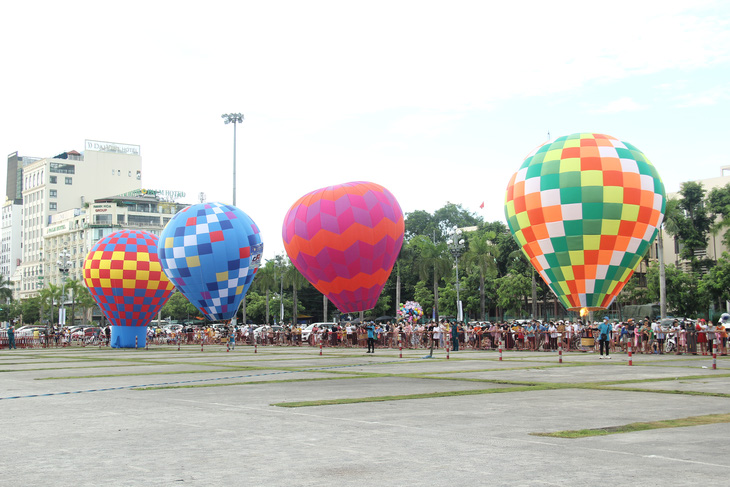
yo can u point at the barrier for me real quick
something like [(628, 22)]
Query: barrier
[(631, 362)]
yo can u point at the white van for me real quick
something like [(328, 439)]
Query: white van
[(307, 330)]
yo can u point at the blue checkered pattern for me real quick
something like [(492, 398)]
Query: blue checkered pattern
[(211, 253)]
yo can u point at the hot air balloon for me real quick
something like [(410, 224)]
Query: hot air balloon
[(344, 239), (125, 279), (211, 253), (585, 209)]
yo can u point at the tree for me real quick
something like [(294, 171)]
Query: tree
[(6, 289), (265, 281), (715, 285), (718, 203), (179, 308), (432, 260), (294, 278), (482, 257), (73, 287), (512, 292), (692, 223), (86, 302), (683, 296)]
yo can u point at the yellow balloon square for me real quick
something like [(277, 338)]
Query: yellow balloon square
[(221, 276)]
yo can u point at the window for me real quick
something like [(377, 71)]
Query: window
[(63, 168), (53, 193), (52, 206), (52, 179), (69, 180), (130, 174), (139, 174)]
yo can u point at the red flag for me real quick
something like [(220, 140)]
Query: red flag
[(482, 205)]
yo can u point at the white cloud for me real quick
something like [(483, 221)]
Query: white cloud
[(625, 104), (705, 98), (430, 124)]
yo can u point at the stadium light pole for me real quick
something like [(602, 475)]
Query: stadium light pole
[(235, 119)]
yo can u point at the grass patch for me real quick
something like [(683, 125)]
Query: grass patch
[(249, 383), (404, 397), (641, 426)]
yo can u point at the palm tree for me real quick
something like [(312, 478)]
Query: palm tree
[(431, 259), (85, 301), (265, 281), (482, 256), (73, 287), (293, 278), (48, 296), (6, 290)]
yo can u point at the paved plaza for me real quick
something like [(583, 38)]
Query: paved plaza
[(290, 417)]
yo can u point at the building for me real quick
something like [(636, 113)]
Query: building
[(65, 182)]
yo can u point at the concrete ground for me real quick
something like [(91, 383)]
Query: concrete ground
[(90, 417)]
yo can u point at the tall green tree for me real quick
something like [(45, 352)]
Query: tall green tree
[(266, 281), (432, 260), (482, 259), (294, 278), (692, 222), (512, 292), (72, 289), (718, 204)]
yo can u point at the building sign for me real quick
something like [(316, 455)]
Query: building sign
[(99, 146), (162, 193), (56, 228)]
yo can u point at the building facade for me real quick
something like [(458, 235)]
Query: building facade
[(65, 182)]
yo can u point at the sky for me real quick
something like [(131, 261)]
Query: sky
[(438, 101)]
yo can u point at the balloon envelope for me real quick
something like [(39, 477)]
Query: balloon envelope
[(585, 209), (125, 279), (211, 253), (344, 239)]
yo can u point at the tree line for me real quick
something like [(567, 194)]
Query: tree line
[(496, 280)]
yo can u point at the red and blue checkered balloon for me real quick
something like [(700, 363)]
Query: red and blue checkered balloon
[(125, 279), (211, 253)]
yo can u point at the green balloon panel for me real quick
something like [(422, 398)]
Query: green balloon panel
[(584, 210)]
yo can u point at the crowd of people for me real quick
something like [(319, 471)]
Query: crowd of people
[(644, 336)]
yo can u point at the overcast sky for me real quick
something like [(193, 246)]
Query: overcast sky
[(437, 101)]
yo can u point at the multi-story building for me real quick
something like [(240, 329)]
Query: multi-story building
[(65, 182)]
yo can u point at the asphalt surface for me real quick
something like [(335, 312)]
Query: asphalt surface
[(158, 417)]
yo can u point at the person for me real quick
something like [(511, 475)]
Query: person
[(604, 336), (11, 337), (455, 336), (232, 337), (370, 327)]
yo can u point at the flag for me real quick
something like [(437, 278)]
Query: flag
[(482, 205)]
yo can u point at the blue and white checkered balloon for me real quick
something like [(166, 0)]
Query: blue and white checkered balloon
[(211, 252)]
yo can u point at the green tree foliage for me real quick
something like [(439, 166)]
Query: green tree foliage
[(513, 291), (718, 204), (715, 285), (683, 296), (692, 222), (265, 281), (179, 308), (481, 259), (432, 261)]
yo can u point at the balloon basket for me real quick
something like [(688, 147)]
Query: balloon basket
[(128, 336)]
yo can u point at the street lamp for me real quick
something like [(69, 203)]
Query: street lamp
[(234, 118), (64, 265), (456, 247)]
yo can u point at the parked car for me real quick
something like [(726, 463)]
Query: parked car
[(307, 330)]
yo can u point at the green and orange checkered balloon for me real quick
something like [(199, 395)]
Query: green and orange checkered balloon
[(585, 209)]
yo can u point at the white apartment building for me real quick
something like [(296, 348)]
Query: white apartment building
[(11, 230), (65, 182)]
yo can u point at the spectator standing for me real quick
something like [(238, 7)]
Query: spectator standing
[(455, 336), (604, 336), (371, 337), (11, 337)]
